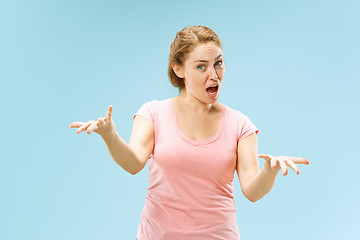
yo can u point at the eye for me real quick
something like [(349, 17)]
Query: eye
[(201, 67), (219, 63)]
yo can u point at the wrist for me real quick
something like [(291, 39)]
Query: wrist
[(109, 136)]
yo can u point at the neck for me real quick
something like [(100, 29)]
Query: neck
[(193, 104)]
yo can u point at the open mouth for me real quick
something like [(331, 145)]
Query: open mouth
[(212, 90)]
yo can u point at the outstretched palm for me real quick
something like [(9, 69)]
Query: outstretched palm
[(284, 161), (103, 126)]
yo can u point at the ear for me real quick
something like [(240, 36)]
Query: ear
[(178, 70)]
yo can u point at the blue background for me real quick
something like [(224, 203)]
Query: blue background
[(292, 66)]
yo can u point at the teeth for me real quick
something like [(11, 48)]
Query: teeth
[(212, 93)]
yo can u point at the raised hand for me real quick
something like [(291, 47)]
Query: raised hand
[(103, 126), (284, 161)]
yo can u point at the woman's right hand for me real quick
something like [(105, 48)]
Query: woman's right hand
[(103, 126)]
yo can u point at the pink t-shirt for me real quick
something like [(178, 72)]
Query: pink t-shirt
[(190, 194)]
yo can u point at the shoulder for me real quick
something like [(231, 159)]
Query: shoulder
[(233, 113), (154, 104), (152, 109), (240, 123)]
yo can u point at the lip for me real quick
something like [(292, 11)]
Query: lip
[(213, 84), (216, 94)]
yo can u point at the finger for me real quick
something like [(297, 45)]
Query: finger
[(273, 162), (100, 121), (283, 166), (92, 127), (76, 124), (299, 160), (264, 156), (83, 127), (267, 157), (270, 158), (292, 165), (108, 113)]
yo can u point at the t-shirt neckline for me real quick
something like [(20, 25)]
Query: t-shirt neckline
[(189, 140)]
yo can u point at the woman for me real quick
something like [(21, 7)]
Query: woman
[(195, 144)]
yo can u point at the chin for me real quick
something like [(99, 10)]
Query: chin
[(211, 100)]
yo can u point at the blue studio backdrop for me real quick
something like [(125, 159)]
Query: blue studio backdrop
[(292, 66)]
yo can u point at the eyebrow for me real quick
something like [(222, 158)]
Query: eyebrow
[(206, 60)]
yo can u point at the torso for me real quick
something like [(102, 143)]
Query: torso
[(197, 126)]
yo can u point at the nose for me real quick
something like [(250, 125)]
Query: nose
[(213, 74)]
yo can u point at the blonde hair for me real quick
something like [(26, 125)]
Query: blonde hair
[(185, 41)]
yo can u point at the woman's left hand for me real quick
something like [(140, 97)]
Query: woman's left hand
[(283, 161)]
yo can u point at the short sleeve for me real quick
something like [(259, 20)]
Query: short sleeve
[(245, 127), (148, 111)]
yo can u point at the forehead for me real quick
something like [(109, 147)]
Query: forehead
[(205, 51)]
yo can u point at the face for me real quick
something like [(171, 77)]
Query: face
[(203, 71)]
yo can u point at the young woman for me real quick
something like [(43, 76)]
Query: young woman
[(194, 144)]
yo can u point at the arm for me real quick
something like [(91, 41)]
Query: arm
[(256, 183), (131, 157)]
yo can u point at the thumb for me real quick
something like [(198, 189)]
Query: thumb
[(108, 113)]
